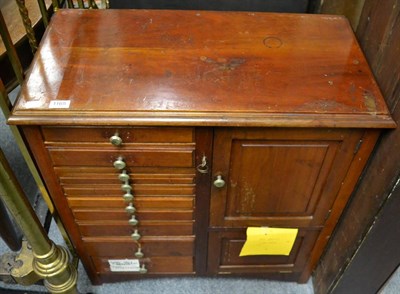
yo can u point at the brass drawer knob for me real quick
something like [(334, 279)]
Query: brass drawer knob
[(143, 269), (126, 187), (130, 209), (133, 221), (219, 182), (136, 236), (119, 163), (116, 140), (139, 253), (128, 196), (123, 176)]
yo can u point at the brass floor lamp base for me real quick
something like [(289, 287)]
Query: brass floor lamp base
[(40, 257)]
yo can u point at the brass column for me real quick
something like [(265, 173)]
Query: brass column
[(50, 262)]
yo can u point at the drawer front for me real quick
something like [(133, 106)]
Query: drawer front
[(225, 247), (141, 203), (151, 246), (145, 228), (140, 190), (154, 265), (127, 135), (107, 214), (139, 175), (161, 157)]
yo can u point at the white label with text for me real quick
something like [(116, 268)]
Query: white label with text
[(124, 265), (59, 103)]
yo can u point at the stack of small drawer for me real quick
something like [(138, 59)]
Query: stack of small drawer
[(131, 192)]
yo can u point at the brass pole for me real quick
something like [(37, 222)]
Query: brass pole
[(5, 106), (23, 11), (11, 52), (43, 11), (50, 262), (56, 5)]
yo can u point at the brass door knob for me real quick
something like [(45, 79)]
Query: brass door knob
[(219, 182), (143, 269), (130, 209), (133, 221), (139, 253), (126, 187), (136, 236), (119, 163), (116, 140), (123, 176), (128, 196)]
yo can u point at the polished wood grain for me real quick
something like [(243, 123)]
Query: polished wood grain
[(229, 68)]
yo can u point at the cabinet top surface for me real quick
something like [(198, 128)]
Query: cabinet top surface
[(199, 68)]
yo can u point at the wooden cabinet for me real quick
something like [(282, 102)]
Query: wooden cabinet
[(163, 135)]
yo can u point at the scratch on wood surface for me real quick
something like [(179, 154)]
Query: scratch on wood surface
[(224, 64), (369, 101), (248, 199)]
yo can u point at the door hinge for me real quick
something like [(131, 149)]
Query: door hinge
[(358, 146)]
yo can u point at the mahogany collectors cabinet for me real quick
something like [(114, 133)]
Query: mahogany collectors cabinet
[(163, 135)]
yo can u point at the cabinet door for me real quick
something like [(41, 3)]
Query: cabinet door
[(278, 177), (225, 248)]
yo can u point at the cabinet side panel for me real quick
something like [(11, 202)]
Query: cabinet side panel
[(35, 140), (359, 160)]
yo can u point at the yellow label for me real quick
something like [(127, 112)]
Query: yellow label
[(268, 241)]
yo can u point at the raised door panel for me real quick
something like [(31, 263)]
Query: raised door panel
[(278, 177), (225, 247)]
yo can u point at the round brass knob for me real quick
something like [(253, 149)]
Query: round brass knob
[(119, 163), (123, 176), (128, 196), (143, 269), (139, 253), (136, 236), (130, 209), (219, 182), (116, 140), (126, 187), (133, 221)]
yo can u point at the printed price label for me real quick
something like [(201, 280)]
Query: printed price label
[(124, 265), (59, 103)]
